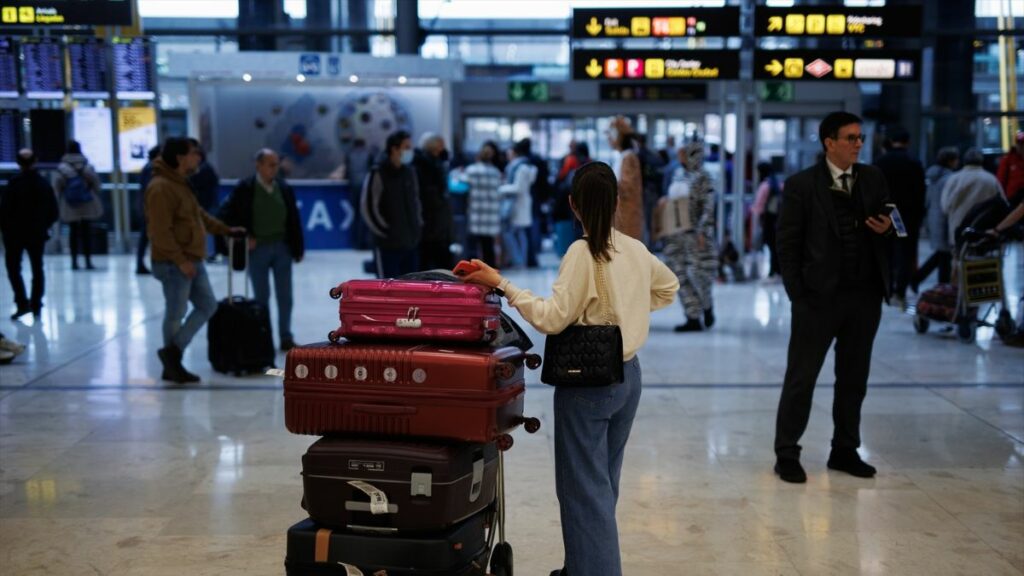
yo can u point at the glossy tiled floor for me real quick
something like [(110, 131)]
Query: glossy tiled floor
[(104, 470)]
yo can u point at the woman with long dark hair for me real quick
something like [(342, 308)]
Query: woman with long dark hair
[(592, 424)]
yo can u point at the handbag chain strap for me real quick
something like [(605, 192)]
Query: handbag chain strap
[(602, 293)]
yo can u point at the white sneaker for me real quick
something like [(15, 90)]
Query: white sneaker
[(11, 346)]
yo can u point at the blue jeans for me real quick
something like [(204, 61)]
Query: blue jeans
[(591, 429), (516, 245), (179, 290), (274, 256)]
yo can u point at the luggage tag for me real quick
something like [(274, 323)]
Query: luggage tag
[(378, 499)]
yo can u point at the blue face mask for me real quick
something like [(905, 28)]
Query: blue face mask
[(406, 156)]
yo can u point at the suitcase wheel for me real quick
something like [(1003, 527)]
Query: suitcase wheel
[(501, 559), (333, 337), (505, 442), (531, 425), (533, 361), (920, 324), (335, 293)]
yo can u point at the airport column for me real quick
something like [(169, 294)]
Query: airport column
[(318, 13), (952, 83), (407, 28), (259, 14)]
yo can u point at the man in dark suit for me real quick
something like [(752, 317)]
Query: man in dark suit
[(834, 256), (905, 176)]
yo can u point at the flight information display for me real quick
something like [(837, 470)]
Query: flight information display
[(10, 138), (65, 12), (49, 133), (133, 69), (848, 65), (656, 65), (44, 67), (8, 68), (88, 63)]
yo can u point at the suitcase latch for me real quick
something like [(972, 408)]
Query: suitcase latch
[(411, 319), (478, 479), (420, 484)]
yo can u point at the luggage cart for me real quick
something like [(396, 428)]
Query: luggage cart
[(978, 286)]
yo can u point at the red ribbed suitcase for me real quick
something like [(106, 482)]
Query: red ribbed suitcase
[(416, 310), (466, 394)]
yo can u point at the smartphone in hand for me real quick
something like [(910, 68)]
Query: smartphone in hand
[(464, 268), (897, 220)]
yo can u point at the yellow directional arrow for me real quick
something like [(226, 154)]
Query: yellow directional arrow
[(774, 23), (594, 69), (775, 68), (593, 28)]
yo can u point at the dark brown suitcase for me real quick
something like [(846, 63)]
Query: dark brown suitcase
[(466, 394), (396, 486)]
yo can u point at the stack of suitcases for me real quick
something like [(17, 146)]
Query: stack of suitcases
[(415, 396)]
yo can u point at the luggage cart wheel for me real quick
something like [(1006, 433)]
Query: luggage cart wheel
[(333, 337), (920, 324), (335, 293), (965, 331), (533, 361), (505, 442), (1004, 324), (531, 425), (501, 559)]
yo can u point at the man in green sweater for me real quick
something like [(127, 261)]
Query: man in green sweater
[(265, 205)]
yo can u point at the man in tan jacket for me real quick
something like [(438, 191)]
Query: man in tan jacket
[(177, 228)]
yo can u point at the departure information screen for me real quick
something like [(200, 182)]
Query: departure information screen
[(133, 70), (65, 12), (847, 65), (10, 138), (838, 21), (88, 63), (634, 65), (655, 22), (8, 68), (44, 67)]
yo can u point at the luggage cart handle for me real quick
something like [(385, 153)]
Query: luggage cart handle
[(385, 410)]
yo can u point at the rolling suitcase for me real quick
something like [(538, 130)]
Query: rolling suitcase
[(938, 303), (466, 394), (459, 551), (397, 486), (416, 310), (239, 335)]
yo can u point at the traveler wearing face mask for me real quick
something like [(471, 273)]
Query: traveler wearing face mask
[(431, 163), (390, 206)]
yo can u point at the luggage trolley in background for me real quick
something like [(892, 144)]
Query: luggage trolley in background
[(979, 281)]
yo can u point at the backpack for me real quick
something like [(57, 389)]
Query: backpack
[(77, 190)]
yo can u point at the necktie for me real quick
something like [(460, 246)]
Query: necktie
[(844, 178)]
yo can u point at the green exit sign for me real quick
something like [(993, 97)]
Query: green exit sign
[(775, 91), (528, 92)]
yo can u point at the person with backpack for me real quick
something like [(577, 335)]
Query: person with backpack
[(593, 423), (28, 210), (78, 191)]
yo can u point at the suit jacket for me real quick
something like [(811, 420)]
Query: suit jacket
[(237, 211), (808, 240), (905, 177)]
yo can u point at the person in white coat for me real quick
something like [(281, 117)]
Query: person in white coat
[(517, 204), (966, 189)]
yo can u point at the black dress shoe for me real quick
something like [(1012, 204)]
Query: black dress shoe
[(141, 270), (559, 572), (709, 318), (790, 470), (20, 312), (692, 325), (287, 345), (849, 461)]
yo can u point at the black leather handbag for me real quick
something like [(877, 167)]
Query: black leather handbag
[(586, 356)]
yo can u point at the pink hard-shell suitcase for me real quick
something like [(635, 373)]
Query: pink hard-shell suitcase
[(416, 310)]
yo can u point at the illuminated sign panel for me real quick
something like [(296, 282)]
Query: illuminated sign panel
[(65, 12), (656, 65), (8, 68), (848, 65), (133, 70), (838, 21), (44, 67), (88, 62), (655, 22), (616, 92)]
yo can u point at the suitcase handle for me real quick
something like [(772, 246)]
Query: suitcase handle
[(231, 264), (385, 410)]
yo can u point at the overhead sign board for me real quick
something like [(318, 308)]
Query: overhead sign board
[(65, 12), (658, 65), (838, 21), (528, 92), (654, 92), (655, 22), (842, 65)]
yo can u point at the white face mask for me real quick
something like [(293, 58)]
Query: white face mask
[(406, 156)]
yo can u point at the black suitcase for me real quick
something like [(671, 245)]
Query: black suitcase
[(458, 551), (239, 336), (415, 486)]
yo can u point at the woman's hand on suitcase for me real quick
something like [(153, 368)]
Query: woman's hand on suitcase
[(485, 276)]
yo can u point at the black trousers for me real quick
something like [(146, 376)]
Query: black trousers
[(850, 319), (81, 240), (482, 247), (15, 248), (904, 261), (941, 260), (436, 254)]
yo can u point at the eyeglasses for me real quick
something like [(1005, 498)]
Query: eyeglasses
[(851, 138)]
